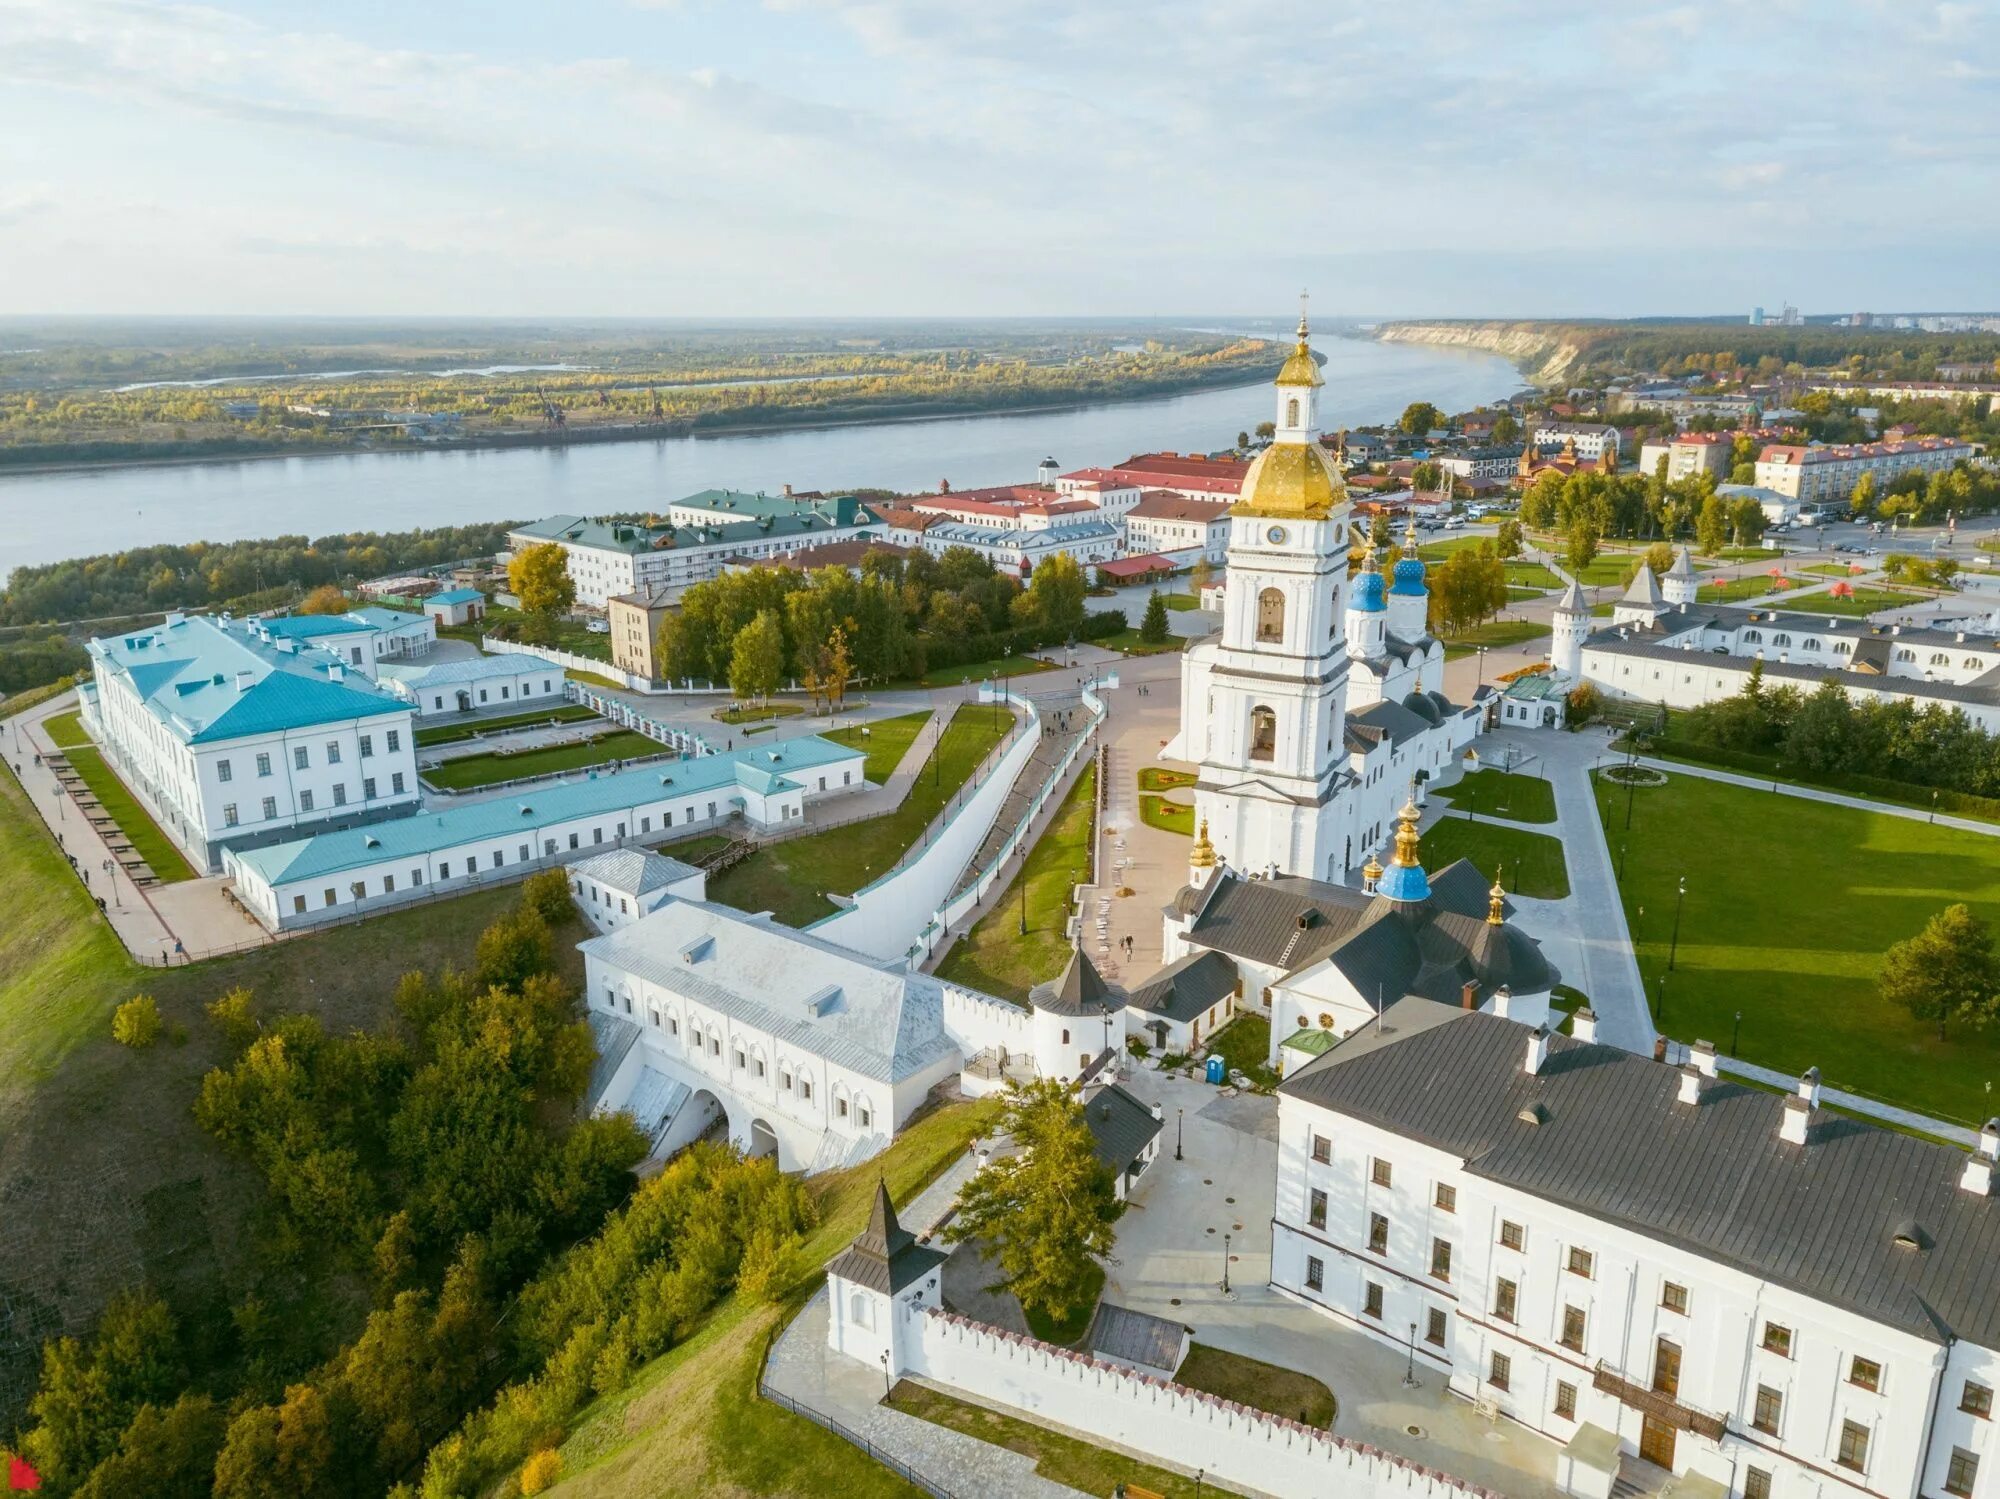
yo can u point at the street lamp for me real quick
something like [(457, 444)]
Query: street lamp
[(888, 1385), (1410, 1380), (1178, 1113), (1735, 1031), (1674, 947), (1660, 1003), (1933, 806), (1225, 1264), (1481, 679)]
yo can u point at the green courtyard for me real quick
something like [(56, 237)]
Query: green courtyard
[(492, 767), (1502, 793), (1789, 907), (887, 740), (1530, 864)]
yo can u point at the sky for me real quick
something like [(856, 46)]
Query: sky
[(792, 158)]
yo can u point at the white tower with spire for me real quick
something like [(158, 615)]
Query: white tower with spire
[(1409, 590), (1681, 584), (1571, 623), (1263, 707)]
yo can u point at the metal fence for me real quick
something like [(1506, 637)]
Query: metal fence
[(888, 1460)]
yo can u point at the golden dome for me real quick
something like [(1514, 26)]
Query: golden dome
[(1496, 904), (1301, 368), (1202, 856), (1406, 853), (1295, 480)]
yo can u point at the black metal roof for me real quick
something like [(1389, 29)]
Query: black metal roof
[(1118, 1332), (1713, 1178), (1079, 990), (885, 1257), (1121, 1126), (1187, 988)]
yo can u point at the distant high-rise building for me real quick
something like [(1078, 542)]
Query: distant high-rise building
[(1756, 317)]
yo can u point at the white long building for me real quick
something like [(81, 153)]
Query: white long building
[(1647, 1264), (235, 736)]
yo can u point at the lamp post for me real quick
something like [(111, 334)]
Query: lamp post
[(1933, 806), (1621, 858), (1674, 947), (1178, 1113), (1735, 1031), (888, 1385), (1410, 1380), (1225, 1264), (1021, 881), (1660, 1002), (1481, 679)]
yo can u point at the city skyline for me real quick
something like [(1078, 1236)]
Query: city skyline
[(650, 158)]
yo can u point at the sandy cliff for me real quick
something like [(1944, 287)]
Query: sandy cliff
[(1544, 351)]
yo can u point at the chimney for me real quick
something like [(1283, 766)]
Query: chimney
[(1158, 1112), (1583, 1026), (1538, 1050), (1468, 995), (1694, 1082), (1979, 1166), (1702, 1054), (244, 679), (1503, 999), (1792, 1127), (1809, 1087)]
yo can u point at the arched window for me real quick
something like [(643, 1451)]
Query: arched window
[(1263, 734), (858, 1309), (1842, 648), (1781, 638), (1810, 643), (1904, 653), (1753, 637), (1271, 615), (1972, 663), (1939, 658), (1292, 412)]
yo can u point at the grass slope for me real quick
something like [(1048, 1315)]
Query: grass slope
[(1495, 635), (887, 741), (1529, 864), (792, 879), (1790, 905), (1261, 1386), (484, 770), (995, 957)]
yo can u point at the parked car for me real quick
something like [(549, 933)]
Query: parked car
[(597, 626)]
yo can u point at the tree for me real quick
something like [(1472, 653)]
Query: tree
[(1506, 429), (87, 1397), (1427, 476), (1047, 1212), (1470, 586), (1242, 440), (757, 660), (1200, 576), (539, 577), (540, 1471), (1580, 545), (1862, 500), (1510, 540), (1946, 972), (1267, 430), (136, 1023), (1711, 526), (325, 599), (164, 1454), (1418, 418), (1747, 521), (1057, 593), (1153, 629), (825, 675)]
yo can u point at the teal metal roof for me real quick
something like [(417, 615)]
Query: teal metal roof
[(531, 808), (311, 626), (187, 674), (736, 504), (635, 539), (457, 596)]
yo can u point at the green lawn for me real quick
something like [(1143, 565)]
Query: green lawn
[(66, 729), (1861, 601), (757, 712), (1736, 590), (794, 878), (694, 850), (1182, 601), (979, 671), (1529, 864), (1129, 642), (1495, 634), (1160, 778), (1261, 1386), (154, 846), (1532, 575), (1522, 595), (1788, 924), (1061, 1459), (887, 740), (570, 634), (1833, 569), (1244, 1043), (1750, 554), (456, 732), (994, 957), (486, 769), (1502, 793), (1168, 817)]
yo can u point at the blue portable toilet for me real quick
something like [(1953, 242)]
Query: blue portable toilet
[(1217, 1072)]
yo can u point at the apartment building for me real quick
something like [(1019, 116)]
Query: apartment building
[(1830, 472)]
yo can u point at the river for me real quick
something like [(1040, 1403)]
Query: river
[(45, 517)]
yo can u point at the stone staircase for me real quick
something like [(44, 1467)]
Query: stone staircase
[(1052, 715)]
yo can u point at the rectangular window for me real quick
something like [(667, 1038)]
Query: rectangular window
[(263, 765), (395, 740), (1500, 1371), (1322, 1149), (416, 877), (340, 796), (1866, 1373), (301, 757), (1769, 1410), (1976, 1399), (229, 815), (388, 883), (305, 801), (367, 745), (270, 807), (223, 772), (1581, 1262), (333, 752), (298, 905), (1378, 1234), (1572, 1333), (1674, 1298), (1446, 1199), (1963, 1472), (1565, 1400), (525, 855), (739, 1063), (1315, 1273), (331, 898), (1434, 1327), (1441, 1259), (1380, 1172), (840, 1108), (1778, 1339), (368, 788), (396, 782), (1853, 1446), (1372, 1306), (1510, 1235), (1756, 1483), (1316, 1209), (1505, 1295), (805, 1087)]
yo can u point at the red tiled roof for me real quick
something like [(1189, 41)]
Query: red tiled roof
[(1137, 567)]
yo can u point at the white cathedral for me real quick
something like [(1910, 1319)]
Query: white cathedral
[(1318, 706)]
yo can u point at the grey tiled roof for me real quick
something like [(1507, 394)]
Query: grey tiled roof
[(636, 870), (885, 1256), (1079, 990), (1187, 988), (1118, 1332), (1712, 1178), (1120, 1125)]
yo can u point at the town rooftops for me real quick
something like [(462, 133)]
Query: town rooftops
[(213, 678), (1794, 455), (850, 553), (735, 504), (1124, 1336), (1187, 989), (1829, 1218), (880, 1021), (1078, 990), (635, 539), (1053, 539), (310, 626), (506, 819), (1165, 504)]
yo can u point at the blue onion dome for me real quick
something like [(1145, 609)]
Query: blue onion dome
[(1369, 594), (1409, 577)]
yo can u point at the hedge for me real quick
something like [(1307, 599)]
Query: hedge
[(1000, 644)]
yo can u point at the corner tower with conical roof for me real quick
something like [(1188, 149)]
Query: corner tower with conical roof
[(1682, 583), (1571, 626), (1263, 703), (877, 1286)]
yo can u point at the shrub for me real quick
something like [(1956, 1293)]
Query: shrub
[(235, 1015), (547, 894), (541, 1471), (136, 1023), (1584, 705)]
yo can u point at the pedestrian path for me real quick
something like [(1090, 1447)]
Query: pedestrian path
[(1815, 794), (1854, 1103)]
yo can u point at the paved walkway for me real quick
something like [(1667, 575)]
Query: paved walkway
[(1958, 1134), (1815, 794)]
